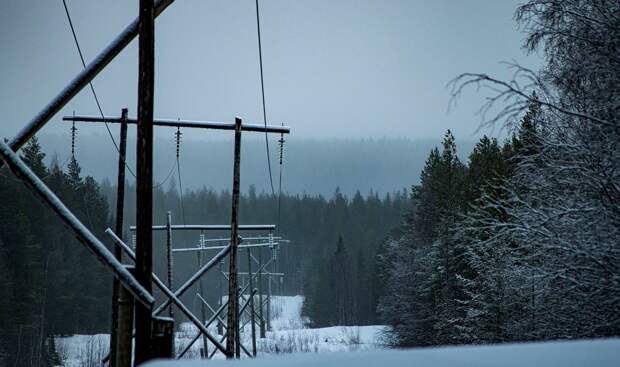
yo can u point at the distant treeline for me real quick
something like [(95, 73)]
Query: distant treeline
[(49, 283), (319, 229), (310, 166)]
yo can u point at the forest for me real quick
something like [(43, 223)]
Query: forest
[(522, 243), (68, 291), (517, 241)]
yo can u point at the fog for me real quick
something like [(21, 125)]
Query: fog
[(310, 166), (333, 69)]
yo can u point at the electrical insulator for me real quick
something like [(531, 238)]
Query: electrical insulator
[(281, 146), (73, 134), (178, 140)]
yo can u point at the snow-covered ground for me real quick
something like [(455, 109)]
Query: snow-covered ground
[(286, 344), (82, 350), (583, 353), (289, 335)]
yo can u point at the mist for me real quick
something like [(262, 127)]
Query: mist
[(311, 166)]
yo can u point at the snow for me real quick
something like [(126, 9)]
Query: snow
[(291, 343), (600, 353), (289, 335), (82, 350)]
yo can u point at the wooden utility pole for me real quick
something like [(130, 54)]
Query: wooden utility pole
[(260, 293), (233, 292), (118, 229), (144, 195), (203, 313), (169, 258), (220, 326), (252, 320), (122, 358)]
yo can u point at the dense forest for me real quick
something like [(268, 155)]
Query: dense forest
[(518, 242), (60, 289), (50, 284), (521, 243), (319, 230)]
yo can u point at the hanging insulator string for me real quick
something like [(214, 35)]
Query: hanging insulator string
[(178, 138), (73, 134), (281, 148)]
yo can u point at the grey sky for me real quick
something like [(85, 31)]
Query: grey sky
[(346, 68)]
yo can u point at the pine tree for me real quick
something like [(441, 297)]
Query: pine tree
[(33, 156)]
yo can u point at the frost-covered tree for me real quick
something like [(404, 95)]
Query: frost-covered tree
[(560, 220), (421, 265)]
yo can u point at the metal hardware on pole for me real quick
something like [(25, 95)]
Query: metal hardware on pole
[(162, 338)]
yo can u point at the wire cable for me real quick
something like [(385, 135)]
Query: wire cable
[(167, 176), (92, 88), (262, 86)]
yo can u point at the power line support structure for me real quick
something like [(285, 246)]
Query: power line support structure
[(118, 252), (144, 184), (250, 283), (232, 330)]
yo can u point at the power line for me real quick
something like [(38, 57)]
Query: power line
[(262, 86), (167, 176), (92, 88)]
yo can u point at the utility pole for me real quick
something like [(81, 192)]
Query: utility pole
[(170, 261), (169, 258), (220, 326), (203, 313), (118, 229), (144, 154), (233, 292), (252, 320), (260, 293)]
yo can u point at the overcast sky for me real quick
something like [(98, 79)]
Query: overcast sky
[(333, 68)]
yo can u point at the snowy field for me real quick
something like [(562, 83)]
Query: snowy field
[(292, 344), (585, 353), (289, 335)]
